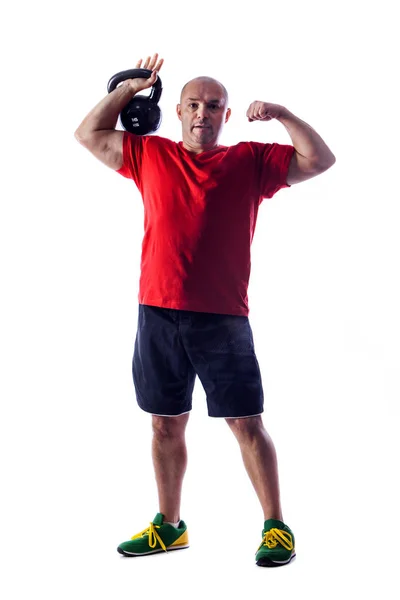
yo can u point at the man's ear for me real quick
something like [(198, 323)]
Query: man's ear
[(228, 114), (178, 111)]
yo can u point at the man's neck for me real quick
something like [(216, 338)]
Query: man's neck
[(199, 149)]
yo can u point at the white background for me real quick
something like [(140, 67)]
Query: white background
[(77, 477)]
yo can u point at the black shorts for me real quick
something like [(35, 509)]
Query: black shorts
[(173, 346)]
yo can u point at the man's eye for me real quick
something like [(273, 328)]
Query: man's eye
[(192, 105)]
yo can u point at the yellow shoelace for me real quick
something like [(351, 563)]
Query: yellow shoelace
[(153, 536), (275, 536)]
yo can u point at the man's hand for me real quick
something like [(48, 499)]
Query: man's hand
[(140, 83), (264, 111)]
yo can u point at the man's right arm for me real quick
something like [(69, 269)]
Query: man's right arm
[(97, 131)]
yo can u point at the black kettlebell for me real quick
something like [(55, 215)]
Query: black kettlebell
[(142, 114)]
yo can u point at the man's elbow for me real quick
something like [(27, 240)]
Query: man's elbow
[(326, 164), (79, 136), (83, 137)]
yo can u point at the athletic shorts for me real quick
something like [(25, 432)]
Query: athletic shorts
[(173, 346)]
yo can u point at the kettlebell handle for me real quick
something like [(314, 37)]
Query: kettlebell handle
[(156, 90)]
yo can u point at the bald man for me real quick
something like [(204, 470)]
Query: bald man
[(201, 202)]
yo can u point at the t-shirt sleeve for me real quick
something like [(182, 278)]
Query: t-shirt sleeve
[(132, 152), (273, 162)]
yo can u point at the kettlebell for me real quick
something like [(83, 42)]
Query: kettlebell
[(141, 115)]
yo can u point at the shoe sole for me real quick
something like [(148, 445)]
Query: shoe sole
[(125, 553), (267, 562)]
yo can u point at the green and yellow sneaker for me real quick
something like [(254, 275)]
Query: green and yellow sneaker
[(156, 538), (277, 546)]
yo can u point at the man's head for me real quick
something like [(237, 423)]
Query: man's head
[(203, 110)]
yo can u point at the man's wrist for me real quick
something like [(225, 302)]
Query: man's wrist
[(131, 86), (283, 113)]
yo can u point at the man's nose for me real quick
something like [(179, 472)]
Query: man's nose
[(202, 112)]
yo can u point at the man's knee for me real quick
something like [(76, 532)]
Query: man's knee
[(245, 426), (169, 426)]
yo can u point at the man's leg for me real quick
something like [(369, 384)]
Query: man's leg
[(170, 460), (260, 460)]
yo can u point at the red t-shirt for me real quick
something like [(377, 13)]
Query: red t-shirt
[(200, 213)]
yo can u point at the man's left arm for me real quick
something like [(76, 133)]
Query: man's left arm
[(311, 157)]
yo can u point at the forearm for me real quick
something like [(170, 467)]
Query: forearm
[(306, 140), (105, 114)]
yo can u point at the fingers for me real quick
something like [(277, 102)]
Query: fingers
[(150, 63), (250, 114), (159, 64), (147, 63), (260, 111), (255, 111)]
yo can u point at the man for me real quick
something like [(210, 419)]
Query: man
[(201, 202)]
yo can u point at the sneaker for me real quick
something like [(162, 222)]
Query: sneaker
[(156, 538), (277, 546)]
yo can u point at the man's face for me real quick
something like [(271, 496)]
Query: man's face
[(203, 112)]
